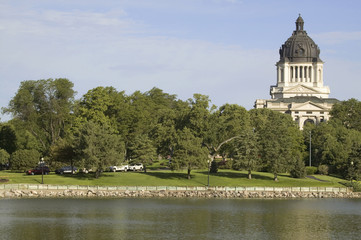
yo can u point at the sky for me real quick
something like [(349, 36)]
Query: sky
[(226, 49)]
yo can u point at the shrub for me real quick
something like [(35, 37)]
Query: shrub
[(311, 170), (322, 169), (24, 159), (299, 170), (356, 186)]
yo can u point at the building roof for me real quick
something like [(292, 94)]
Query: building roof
[(299, 47), (303, 99)]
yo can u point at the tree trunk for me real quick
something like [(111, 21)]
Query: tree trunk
[(97, 173), (189, 173), (275, 177), (249, 174)]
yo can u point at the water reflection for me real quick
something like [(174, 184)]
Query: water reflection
[(179, 219)]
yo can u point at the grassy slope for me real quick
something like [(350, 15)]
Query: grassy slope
[(169, 178)]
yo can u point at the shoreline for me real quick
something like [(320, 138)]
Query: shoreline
[(69, 193)]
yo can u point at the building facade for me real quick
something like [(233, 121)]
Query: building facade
[(299, 90)]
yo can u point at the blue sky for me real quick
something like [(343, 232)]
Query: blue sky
[(226, 49)]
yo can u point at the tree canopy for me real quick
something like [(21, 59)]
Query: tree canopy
[(106, 126)]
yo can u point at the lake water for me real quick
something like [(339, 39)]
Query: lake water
[(180, 219)]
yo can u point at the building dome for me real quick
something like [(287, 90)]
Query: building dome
[(299, 47)]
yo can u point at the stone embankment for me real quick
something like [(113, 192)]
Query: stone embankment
[(21, 193)]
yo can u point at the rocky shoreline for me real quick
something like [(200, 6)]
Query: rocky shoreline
[(16, 193)]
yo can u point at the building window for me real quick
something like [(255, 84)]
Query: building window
[(308, 112), (296, 112), (322, 112)]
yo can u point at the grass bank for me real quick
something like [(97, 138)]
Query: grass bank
[(229, 178)]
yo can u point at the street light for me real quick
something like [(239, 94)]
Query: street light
[(208, 171), (310, 148), (42, 170), (352, 173)]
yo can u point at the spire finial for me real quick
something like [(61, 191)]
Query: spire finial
[(299, 23)]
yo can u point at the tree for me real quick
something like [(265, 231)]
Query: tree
[(169, 120), (280, 140), (226, 125), (299, 169), (354, 165), (8, 138), (4, 157), (198, 114), (24, 159), (189, 152), (214, 167), (45, 108), (247, 155), (331, 145), (102, 105), (348, 112), (98, 146), (143, 150), (62, 152)]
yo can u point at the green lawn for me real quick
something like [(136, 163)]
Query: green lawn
[(229, 178)]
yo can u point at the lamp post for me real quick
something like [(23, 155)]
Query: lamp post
[(42, 170), (208, 171), (310, 148), (352, 173)]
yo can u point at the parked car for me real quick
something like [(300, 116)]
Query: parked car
[(39, 170), (66, 169), (136, 167), (122, 168), (85, 170)]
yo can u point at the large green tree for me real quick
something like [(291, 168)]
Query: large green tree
[(4, 157), (8, 138), (143, 150), (170, 117), (97, 147), (189, 152), (44, 106), (227, 123), (280, 140), (331, 144), (352, 167), (247, 153), (24, 159), (348, 113)]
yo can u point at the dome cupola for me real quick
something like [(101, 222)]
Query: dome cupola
[(299, 47)]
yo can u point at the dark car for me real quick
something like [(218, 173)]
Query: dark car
[(39, 170), (66, 169)]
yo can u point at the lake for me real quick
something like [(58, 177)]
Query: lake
[(180, 219)]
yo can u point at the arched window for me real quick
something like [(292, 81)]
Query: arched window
[(308, 121)]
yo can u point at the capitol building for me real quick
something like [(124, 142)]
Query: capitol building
[(299, 90)]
